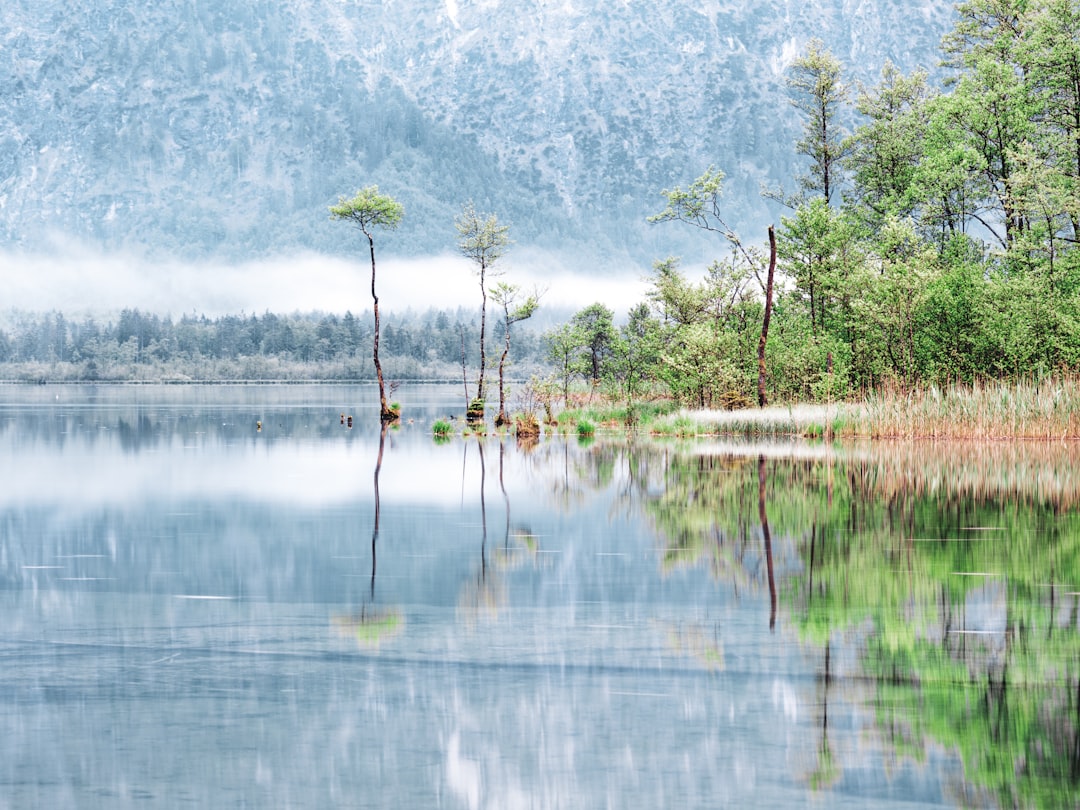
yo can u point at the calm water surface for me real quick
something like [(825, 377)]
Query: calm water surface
[(200, 613)]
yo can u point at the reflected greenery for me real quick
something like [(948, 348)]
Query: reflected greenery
[(955, 568)]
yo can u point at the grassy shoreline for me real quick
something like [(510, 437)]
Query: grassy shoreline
[(1032, 410)]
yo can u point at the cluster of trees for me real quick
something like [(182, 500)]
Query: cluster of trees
[(483, 240), (144, 346), (935, 242)]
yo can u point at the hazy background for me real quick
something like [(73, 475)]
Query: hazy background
[(181, 155)]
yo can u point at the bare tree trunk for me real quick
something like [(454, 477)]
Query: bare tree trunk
[(762, 399), (385, 414), (502, 419)]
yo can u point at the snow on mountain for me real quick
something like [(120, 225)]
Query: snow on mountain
[(196, 129)]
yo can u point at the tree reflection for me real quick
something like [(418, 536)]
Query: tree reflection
[(957, 568), (372, 624), (768, 543), (485, 592), (378, 505)]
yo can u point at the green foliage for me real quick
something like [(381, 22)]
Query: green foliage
[(594, 328), (440, 427), (369, 209), (955, 254), (698, 205), (948, 569), (475, 411), (481, 238), (818, 92)]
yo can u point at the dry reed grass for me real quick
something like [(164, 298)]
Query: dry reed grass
[(1046, 409)]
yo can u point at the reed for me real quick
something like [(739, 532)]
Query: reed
[(1047, 409), (1035, 409)]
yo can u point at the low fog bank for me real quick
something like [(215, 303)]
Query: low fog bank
[(80, 281)]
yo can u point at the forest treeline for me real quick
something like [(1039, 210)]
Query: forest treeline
[(931, 240), (318, 346)]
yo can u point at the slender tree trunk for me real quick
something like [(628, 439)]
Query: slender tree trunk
[(464, 383), (501, 419), (506, 498), (762, 399), (483, 320), (385, 414), (483, 513)]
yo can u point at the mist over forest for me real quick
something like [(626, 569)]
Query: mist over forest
[(219, 134)]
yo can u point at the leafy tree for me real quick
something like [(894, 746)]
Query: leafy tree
[(815, 79), (677, 301), (563, 345), (815, 246), (1051, 58), (636, 353), (595, 326), (483, 241), (506, 297), (886, 151), (368, 210), (699, 205), (992, 101)]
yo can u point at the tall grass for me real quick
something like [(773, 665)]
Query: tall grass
[(1044, 409), (815, 421)]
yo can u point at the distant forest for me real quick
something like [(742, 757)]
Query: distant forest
[(139, 346)]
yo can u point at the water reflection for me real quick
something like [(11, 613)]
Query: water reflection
[(626, 623), (372, 623), (955, 569)]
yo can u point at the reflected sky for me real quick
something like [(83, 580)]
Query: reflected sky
[(201, 612)]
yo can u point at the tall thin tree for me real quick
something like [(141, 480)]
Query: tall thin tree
[(368, 210), (484, 241), (819, 92), (506, 296)]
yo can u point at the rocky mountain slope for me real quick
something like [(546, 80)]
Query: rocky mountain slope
[(192, 128)]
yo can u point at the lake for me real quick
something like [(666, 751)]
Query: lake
[(224, 597)]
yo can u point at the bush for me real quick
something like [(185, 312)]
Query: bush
[(526, 424)]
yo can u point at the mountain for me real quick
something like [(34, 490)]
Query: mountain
[(195, 129)]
